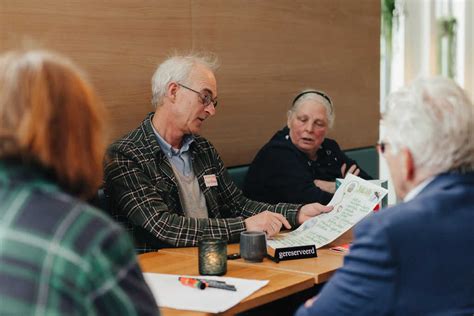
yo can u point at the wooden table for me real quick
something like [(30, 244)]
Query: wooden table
[(282, 283), (320, 268)]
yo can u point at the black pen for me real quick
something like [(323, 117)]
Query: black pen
[(218, 284), (222, 286), (212, 281)]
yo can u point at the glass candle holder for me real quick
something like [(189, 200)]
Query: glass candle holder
[(212, 257)]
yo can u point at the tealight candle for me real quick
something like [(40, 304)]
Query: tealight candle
[(212, 257)]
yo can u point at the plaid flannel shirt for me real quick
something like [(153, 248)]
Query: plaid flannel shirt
[(144, 194), (59, 256)]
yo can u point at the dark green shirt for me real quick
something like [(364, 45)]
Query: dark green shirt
[(60, 256)]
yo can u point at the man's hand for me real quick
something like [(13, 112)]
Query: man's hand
[(311, 210), (327, 186), (353, 169), (268, 222)]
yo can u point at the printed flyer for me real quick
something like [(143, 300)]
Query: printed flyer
[(353, 200)]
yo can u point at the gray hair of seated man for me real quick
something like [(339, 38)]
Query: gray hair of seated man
[(177, 69), (307, 95), (434, 119)]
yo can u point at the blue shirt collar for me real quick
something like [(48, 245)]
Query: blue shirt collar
[(166, 147)]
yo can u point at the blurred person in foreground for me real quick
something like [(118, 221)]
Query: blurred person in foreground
[(300, 164), (58, 255), (415, 258), (169, 184)]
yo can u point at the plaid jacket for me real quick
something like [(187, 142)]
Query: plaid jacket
[(144, 193), (59, 256)]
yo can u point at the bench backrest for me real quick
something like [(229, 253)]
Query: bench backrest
[(367, 158)]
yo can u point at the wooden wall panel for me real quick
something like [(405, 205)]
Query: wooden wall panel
[(272, 49), (268, 50), (118, 42)]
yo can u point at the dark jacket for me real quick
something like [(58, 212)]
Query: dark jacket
[(414, 258), (282, 173), (144, 194)]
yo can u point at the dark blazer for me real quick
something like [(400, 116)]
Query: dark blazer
[(282, 173), (144, 194), (415, 258)]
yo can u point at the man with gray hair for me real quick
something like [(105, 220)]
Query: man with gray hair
[(415, 258), (169, 184)]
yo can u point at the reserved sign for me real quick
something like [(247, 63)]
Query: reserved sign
[(288, 253)]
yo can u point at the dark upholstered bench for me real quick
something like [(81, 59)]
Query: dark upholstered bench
[(367, 158), (238, 175)]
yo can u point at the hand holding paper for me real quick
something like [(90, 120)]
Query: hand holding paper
[(309, 211), (354, 199)]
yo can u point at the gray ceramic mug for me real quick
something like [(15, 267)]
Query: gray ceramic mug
[(253, 246)]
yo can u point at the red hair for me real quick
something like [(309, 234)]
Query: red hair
[(50, 116)]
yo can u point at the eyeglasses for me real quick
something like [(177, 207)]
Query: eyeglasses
[(205, 96), (381, 147)]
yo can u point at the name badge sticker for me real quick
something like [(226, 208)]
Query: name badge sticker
[(210, 180)]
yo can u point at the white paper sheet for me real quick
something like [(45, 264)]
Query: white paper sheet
[(169, 292), (354, 199)]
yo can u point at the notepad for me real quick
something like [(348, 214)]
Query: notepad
[(169, 292)]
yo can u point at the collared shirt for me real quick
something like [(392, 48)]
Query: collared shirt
[(416, 190), (60, 256), (180, 158), (144, 194)]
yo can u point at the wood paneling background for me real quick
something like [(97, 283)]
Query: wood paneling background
[(268, 49)]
